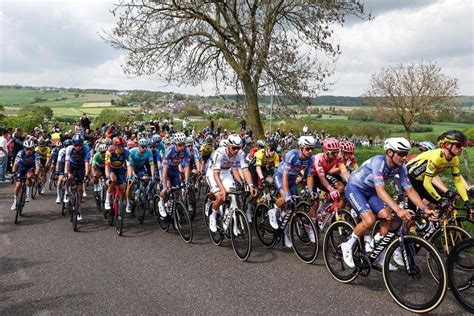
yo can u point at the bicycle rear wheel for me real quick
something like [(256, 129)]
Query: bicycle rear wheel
[(460, 266), (263, 228), (34, 189), (413, 287), (240, 235), (336, 234), (141, 207), (183, 222), (75, 213), (304, 237), (119, 215)]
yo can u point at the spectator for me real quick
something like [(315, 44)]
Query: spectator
[(243, 124), (305, 129), (212, 126), (219, 128), (78, 128), (3, 155), (85, 122)]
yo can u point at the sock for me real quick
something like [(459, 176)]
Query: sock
[(214, 213), (14, 198), (377, 238), (107, 197), (27, 190), (353, 239), (128, 203)]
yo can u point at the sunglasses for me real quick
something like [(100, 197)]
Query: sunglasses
[(460, 145), (142, 146), (332, 153), (180, 145), (402, 153), (235, 147), (308, 148), (28, 149)]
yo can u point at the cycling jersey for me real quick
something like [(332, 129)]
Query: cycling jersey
[(137, 160), (206, 151), (44, 152), (115, 160), (262, 160), (161, 148), (349, 163), (222, 161), (27, 161), (293, 164), (98, 161), (77, 157), (172, 158), (321, 166), (430, 163), (54, 155), (194, 156)]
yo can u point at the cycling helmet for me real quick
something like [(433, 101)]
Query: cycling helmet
[(209, 140), (234, 140), (59, 144), (143, 142), (118, 141), (41, 142), (224, 142), (279, 149), (260, 143), (306, 141), (425, 146), (102, 148), (28, 144), (131, 143), (331, 144), (396, 144), (272, 145), (108, 141), (189, 140), (179, 138), (166, 141), (452, 136), (156, 138), (67, 142), (347, 146), (77, 139)]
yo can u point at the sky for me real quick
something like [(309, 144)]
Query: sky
[(57, 43)]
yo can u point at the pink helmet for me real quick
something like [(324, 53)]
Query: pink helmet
[(347, 146), (331, 144)]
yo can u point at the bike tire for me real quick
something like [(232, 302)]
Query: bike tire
[(34, 189), (337, 233), (119, 215), (460, 264), (163, 223), (75, 214), (182, 221), (191, 202), (264, 230), (455, 235), (345, 216), (402, 283), (206, 217), (19, 205), (141, 207), (242, 241), (300, 226), (303, 206), (50, 183)]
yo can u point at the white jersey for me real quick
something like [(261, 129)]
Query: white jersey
[(220, 160), (62, 155)]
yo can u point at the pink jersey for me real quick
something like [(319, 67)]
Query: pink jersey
[(321, 166), (348, 162)]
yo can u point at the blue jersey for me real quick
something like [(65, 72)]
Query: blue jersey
[(161, 148), (137, 160), (172, 158), (375, 171), (27, 161), (54, 154), (156, 155), (78, 157), (293, 164)]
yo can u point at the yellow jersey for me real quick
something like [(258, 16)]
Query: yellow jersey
[(429, 164), (262, 160), (206, 150), (44, 153)]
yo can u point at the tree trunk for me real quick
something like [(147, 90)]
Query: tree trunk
[(408, 134), (253, 112)]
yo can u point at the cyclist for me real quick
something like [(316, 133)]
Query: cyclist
[(136, 167), (77, 166), (422, 146), (219, 175), (426, 166), (195, 162), (27, 163), (250, 157), (207, 148), (54, 156), (159, 144), (98, 165), (348, 161), (266, 160), (175, 155), (295, 163), (115, 167), (366, 193), (45, 157), (60, 172)]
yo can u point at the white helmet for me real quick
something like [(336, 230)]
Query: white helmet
[(224, 142), (397, 144), (102, 148), (306, 141), (234, 140), (179, 138)]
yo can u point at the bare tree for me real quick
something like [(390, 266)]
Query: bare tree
[(267, 44), (412, 92)]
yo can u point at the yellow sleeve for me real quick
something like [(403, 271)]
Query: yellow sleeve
[(458, 180), (48, 152), (428, 178), (258, 159), (276, 160), (341, 166), (37, 149)]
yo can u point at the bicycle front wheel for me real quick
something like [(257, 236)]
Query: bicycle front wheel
[(119, 215), (34, 189), (460, 266), (304, 237), (412, 286), (183, 222), (141, 206), (240, 236), (263, 228)]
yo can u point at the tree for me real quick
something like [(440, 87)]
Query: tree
[(264, 46), (412, 92)]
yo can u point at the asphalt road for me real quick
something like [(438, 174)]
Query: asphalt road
[(46, 268)]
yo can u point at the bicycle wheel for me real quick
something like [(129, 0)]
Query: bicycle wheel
[(20, 203), (413, 287), (454, 235), (460, 267), (75, 213), (304, 237), (262, 226), (183, 222), (191, 202), (140, 206), (217, 237), (51, 182), (119, 215), (34, 189), (303, 206), (164, 223), (240, 235), (209, 210), (346, 216), (336, 234)]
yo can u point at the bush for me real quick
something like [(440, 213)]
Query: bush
[(109, 115)]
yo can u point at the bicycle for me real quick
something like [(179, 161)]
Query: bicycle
[(177, 215), (52, 180), (403, 282), (232, 224), (117, 209), (140, 202), (189, 199), (305, 247), (20, 202), (99, 196), (74, 203), (460, 266)]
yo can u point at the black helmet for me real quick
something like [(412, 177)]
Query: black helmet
[(452, 136), (272, 145)]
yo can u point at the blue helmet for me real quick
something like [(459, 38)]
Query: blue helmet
[(156, 138), (67, 142), (77, 139), (426, 145)]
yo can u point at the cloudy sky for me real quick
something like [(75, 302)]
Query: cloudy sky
[(57, 43)]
